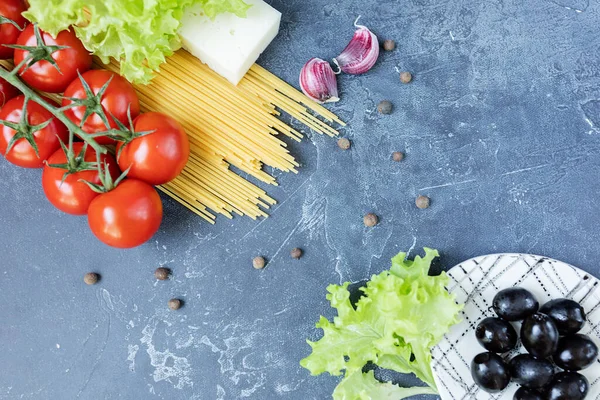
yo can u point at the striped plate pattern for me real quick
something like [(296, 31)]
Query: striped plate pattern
[(475, 282)]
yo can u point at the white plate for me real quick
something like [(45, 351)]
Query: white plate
[(475, 282)]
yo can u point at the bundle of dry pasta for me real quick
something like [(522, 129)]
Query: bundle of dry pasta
[(229, 125)]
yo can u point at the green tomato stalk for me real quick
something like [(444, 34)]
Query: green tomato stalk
[(30, 94), (92, 104)]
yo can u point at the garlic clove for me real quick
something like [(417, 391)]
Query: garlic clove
[(318, 81), (361, 53)]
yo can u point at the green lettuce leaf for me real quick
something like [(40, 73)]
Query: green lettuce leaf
[(138, 33), (402, 314), (359, 386)]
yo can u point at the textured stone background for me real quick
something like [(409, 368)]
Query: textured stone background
[(501, 128)]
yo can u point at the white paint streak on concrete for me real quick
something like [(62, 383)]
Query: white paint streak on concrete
[(220, 393), (412, 247), (448, 184), (132, 350), (182, 343), (281, 312), (237, 362), (167, 366), (257, 385), (283, 389), (517, 171), (107, 300)]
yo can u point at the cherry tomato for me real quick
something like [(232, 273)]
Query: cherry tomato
[(157, 157), (7, 92), (46, 139), (43, 75), (9, 33), (119, 95), (72, 195), (127, 216)]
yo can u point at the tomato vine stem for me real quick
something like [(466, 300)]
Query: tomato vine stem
[(34, 96)]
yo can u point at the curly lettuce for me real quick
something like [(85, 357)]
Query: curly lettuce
[(140, 34), (402, 314), (357, 385)]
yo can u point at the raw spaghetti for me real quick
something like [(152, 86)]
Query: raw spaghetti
[(229, 125)]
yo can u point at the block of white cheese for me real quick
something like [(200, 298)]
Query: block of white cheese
[(229, 45)]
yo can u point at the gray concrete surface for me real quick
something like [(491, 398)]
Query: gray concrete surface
[(501, 128)]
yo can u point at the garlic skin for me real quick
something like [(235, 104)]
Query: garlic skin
[(361, 53), (318, 81)]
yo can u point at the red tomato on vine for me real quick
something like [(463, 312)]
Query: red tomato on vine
[(10, 10), (57, 70), (97, 98), (7, 92), (158, 156), (62, 179), (29, 134), (126, 216)]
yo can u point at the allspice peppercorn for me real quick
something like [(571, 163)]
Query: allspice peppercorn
[(405, 77), (259, 262), (422, 202), (389, 45), (296, 253), (371, 220), (175, 304), (385, 107), (162, 274), (397, 156), (91, 278), (343, 143)]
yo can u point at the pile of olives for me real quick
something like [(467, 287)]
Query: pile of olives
[(550, 336)]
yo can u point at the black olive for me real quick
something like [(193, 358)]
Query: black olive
[(575, 352), (490, 372), (568, 386), (539, 335), (531, 372), (514, 304), (527, 394), (568, 315), (496, 335)]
